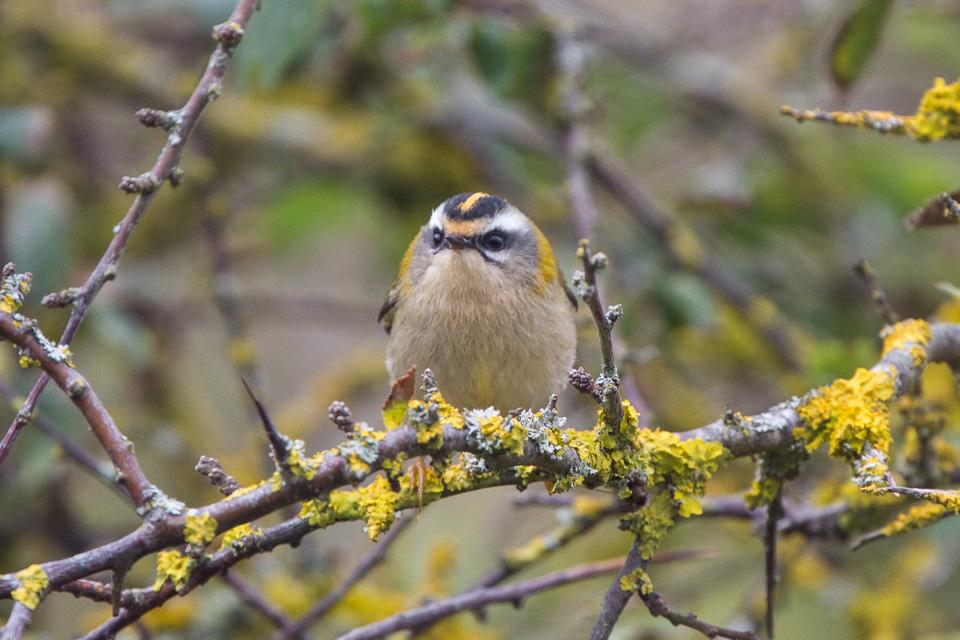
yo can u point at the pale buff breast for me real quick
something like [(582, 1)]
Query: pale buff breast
[(509, 347)]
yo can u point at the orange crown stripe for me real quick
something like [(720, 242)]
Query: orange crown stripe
[(471, 202)]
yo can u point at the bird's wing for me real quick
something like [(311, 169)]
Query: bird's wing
[(389, 308)]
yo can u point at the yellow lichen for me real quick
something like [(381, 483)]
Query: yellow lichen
[(199, 529), (637, 581), (938, 115), (375, 504), (317, 513), (174, 566), (909, 334), (761, 492), (233, 539), (849, 414), (245, 490), (915, 518), (33, 585)]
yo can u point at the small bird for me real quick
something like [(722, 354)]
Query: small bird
[(481, 300)]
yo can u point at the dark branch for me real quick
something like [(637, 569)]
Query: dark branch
[(472, 600), (616, 597)]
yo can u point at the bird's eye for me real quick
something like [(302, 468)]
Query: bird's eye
[(494, 241), (437, 238)]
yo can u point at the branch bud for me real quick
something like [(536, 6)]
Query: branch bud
[(144, 183), (340, 416), (581, 380), (228, 34)]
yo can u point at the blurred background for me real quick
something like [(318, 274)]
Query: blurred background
[(341, 125)]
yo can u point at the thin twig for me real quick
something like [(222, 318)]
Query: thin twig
[(167, 167), (479, 598), (616, 597), (100, 470), (78, 389), (774, 514), (607, 385), (374, 557), (880, 121), (880, 300), (658, 608), (251, 597)]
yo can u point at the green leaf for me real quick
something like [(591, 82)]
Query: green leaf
[(857, 40)]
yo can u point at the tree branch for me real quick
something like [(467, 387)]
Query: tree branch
[(479, 598), (616, 597), (167, 166)]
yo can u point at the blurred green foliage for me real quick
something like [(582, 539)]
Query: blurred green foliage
[(340, 126)]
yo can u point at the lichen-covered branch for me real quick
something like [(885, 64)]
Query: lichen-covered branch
[(937, 116), (662, 474)]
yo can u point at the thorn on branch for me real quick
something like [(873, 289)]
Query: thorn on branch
[(144, 183), (62, 298), (280, 445), (213, 470), (228, 34), (340, 416)]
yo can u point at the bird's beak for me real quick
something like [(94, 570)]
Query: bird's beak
[(456, 242)]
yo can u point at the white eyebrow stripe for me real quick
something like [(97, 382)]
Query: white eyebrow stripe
[(510, 220), (436, 218)]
